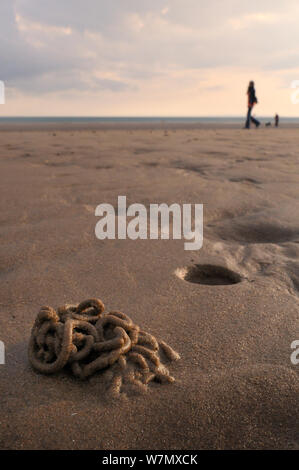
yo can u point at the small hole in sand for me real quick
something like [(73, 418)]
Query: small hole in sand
[(208, 274)]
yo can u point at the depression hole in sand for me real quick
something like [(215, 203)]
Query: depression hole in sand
[(208, 274)]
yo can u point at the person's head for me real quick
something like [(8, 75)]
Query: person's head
[(251, 84)]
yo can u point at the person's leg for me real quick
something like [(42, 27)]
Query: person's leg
[(247, 124), (255, 121)]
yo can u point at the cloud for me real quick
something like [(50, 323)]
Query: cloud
[(122, 47), (67, 81), (255, 18)]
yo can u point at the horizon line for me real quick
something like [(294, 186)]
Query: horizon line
[(140, 116)]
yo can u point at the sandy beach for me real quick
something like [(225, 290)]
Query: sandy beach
[(235, 387)]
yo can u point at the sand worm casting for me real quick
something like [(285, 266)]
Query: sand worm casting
[(85, 340)]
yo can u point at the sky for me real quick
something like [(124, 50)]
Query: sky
[(148, 57)]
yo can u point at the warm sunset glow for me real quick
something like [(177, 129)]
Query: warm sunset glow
[(148, 58)]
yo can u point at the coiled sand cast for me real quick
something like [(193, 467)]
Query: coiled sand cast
[(86, 340)]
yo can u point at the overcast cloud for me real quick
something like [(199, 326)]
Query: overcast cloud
[(130, 49)]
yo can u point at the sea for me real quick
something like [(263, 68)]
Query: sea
[(156, 119)]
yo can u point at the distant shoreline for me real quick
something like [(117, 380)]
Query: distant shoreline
[(106, 123)]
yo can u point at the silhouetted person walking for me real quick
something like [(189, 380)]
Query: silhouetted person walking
[(252, 100), (276, 119)]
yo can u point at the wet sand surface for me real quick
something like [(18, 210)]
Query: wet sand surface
[(235, 384)]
